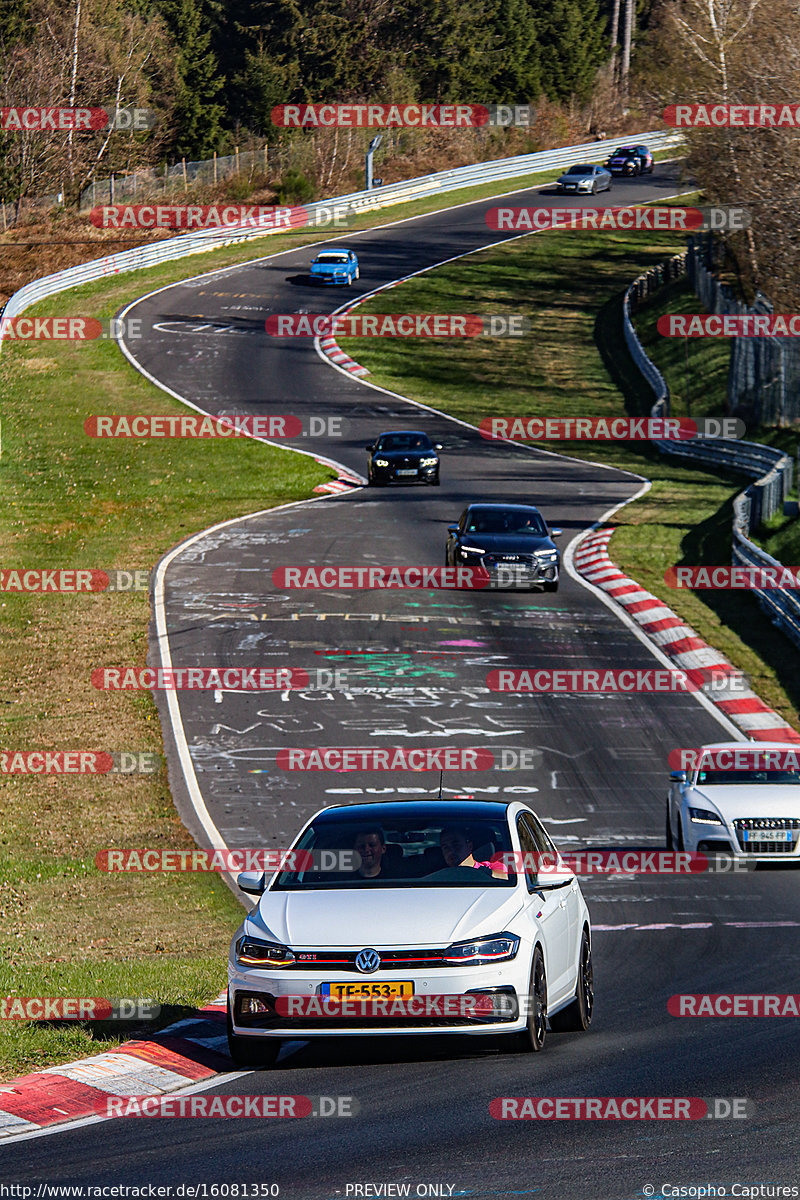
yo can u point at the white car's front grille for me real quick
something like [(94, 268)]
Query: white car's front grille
[(767, 835), (345, 960)]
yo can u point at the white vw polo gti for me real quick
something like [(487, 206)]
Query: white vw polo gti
[(414, 917)]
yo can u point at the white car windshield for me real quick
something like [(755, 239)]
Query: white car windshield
[(405, 441), (454, 850), (331, 258), (718, 778)]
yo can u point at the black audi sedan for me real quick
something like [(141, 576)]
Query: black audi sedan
[(511, 542), (403, 456)]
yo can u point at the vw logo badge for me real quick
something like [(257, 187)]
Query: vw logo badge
[(368, 960)]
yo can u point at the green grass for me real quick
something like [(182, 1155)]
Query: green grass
[(575, 362), (68, 500)]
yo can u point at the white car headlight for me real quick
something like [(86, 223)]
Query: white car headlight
[(546, 555), (428, 462), (499, 947), (381, 462), (251, 952), (465, 550), (703, 816)]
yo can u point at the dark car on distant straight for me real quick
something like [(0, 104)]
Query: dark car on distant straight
[(403, 456), (510, 541), (631, 160)]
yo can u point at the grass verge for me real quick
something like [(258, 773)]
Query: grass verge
[(68, 501)]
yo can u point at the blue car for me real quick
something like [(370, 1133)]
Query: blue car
[(335, 266)]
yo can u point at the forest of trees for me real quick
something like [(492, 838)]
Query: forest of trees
[(213, 70)]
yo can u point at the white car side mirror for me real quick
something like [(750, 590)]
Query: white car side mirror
[(253, 882)]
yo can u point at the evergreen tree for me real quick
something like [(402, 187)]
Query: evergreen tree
[(572, 42), (198, 112), (514, 61)]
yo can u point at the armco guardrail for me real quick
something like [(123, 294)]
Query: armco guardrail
[(781, 606), (770, 468), (764, 374), (394, 193)]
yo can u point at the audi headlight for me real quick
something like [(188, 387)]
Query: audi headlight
[(465, 550), (546, 555), (702, 816), (499, 947), (428, 462), (252, 953), (381, 462)]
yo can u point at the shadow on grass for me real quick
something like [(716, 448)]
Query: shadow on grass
[(135, 1029), (609, 337)]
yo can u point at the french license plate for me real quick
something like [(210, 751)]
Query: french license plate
[(413, 471), (768, 835), (373, 990)]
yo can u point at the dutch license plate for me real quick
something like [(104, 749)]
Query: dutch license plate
[(368, 990), (411, 472), (767, 835)]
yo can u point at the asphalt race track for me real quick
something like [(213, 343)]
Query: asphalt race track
[(416, 666)]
